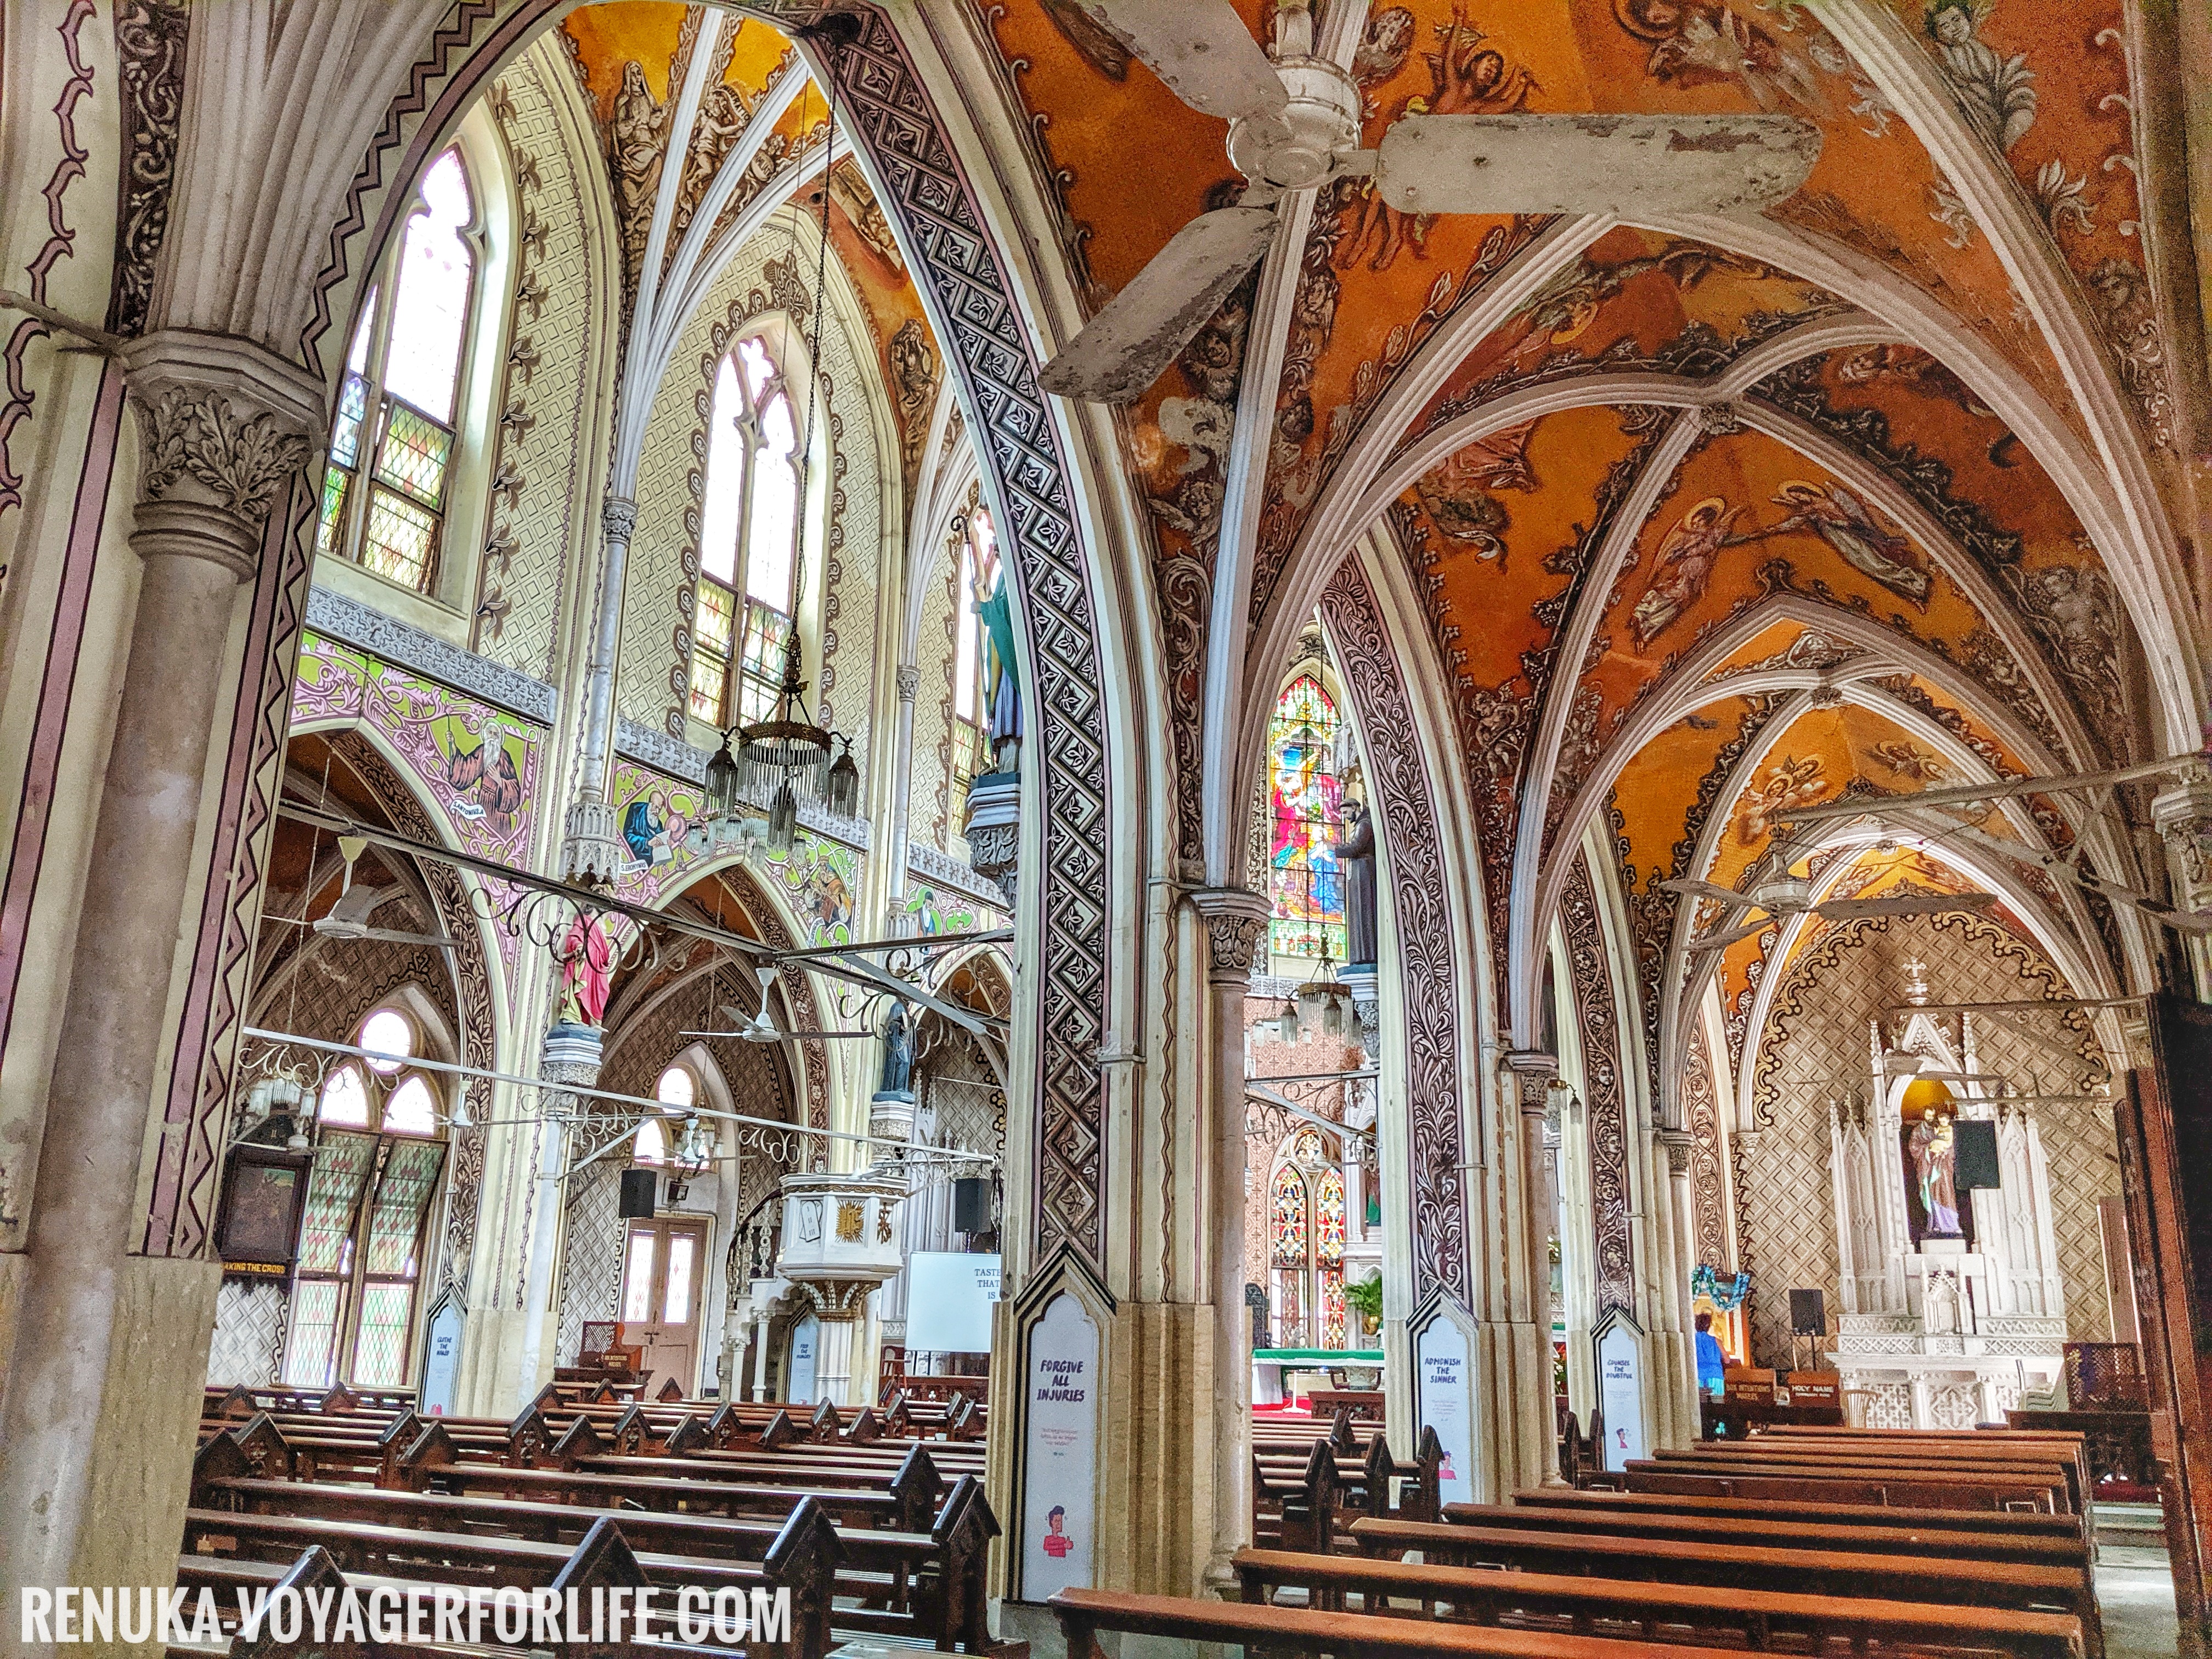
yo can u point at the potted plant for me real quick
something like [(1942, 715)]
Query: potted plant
[(1366, 1296)]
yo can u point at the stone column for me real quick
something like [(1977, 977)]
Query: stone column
[(571, 1056), (840, 1307), (1683, 1204), (1236, 922), (109, 1346), (593, 845), (901, 757), (1534, 1072)]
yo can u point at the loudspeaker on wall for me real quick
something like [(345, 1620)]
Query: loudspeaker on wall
[(637, 1193), (971, 1204), (1974, 1157)]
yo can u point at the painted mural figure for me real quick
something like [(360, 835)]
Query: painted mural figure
[(1995, 91), (651, 830), (1685, 565), (1836, 516), (1934, 1154)]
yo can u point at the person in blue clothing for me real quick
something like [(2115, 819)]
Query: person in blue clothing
[(1712, 1360)]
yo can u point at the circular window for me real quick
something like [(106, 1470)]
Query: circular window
[(390, 1037)]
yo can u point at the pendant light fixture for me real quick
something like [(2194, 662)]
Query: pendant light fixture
[(788, 757)]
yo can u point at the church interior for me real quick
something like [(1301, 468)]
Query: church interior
[(1110, 827)]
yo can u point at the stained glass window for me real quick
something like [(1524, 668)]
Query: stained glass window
[(369, 1201), (398, 400), (1304, 805), (637, 1278), (744, 616), (1328, 1217), (1290, 1216), (1332, 1306)]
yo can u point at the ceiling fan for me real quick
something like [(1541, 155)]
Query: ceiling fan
[(1294, 125), (348, 918), (1785, 896), (2173, 915), (762, 1027)]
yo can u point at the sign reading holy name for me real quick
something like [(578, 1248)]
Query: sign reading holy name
[(1060, 1467)]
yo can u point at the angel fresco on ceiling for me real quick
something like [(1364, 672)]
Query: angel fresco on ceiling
[(1836, 516), (1788, 783), (1997, 93), (1467, 76), (1698, 43), (1909, 365), (1908, 760), (1686, 558), (1456, 494), (1564, 309)]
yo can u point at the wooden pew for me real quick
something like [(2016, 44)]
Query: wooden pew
[(1787, 1482), (2004, 1524), (2021, 1586), (2058, 1476), (1084, 1612), (1654, 1611), (1807, 1526)]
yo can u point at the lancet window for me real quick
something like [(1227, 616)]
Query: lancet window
[(1304, 802), (1306, 1233), (380, 1152), (748, 540), (387, 485)]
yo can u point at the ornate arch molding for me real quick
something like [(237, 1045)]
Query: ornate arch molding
[(1429, 955), (978, 313), (1605, 1084), (470, 980)]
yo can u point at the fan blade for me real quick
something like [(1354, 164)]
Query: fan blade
[(1932, 904), (1722, 941), (808, 1036), (1704, 890), (1632, 165), (1125, 346), (1201, 48), (393, 936)]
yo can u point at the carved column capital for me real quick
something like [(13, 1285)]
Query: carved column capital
[(1236, 921), (909, 682), (1534, 1071), (224, 427), (618, 518), (1677, 1143), (2183, 818)]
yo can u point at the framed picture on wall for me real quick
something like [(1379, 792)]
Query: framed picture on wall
[(264, 1194)]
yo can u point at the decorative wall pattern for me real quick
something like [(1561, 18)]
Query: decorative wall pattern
[(1816, 1033), (250, 1317), (1702, 1116), (149, 52), (539, 464), (1607, 1105), (1368, 664)]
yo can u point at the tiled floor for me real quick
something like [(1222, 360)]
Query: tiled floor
[(2135, 1587)]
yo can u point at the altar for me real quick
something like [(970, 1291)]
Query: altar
[(1952, 1306), (1272, 1367)]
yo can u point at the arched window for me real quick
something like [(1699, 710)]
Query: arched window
[(677, 1088), (1306, 1230), (378, 1158), (978, 580), (651, 1144), (388, 480), (748, 541), (1303, 803)]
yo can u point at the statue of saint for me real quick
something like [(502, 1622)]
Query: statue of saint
[(896, 1077), (1355, 861), (1002, 685), (586, 956), (1934, 1153)]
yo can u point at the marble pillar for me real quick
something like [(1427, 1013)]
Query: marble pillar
[(96, 1431), (571, 1056), (593, 845), (1236, 926), (1533, 1073)]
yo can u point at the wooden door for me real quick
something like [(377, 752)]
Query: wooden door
[(664, 1264)]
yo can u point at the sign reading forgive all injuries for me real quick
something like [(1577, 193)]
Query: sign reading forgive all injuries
[(1060, 1466)]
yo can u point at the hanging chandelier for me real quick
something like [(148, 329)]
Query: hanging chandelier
[(794, 754)]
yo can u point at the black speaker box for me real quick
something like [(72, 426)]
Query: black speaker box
[(1975, 1154), (971, 1206), (1809, 1314), (637, 1193)]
